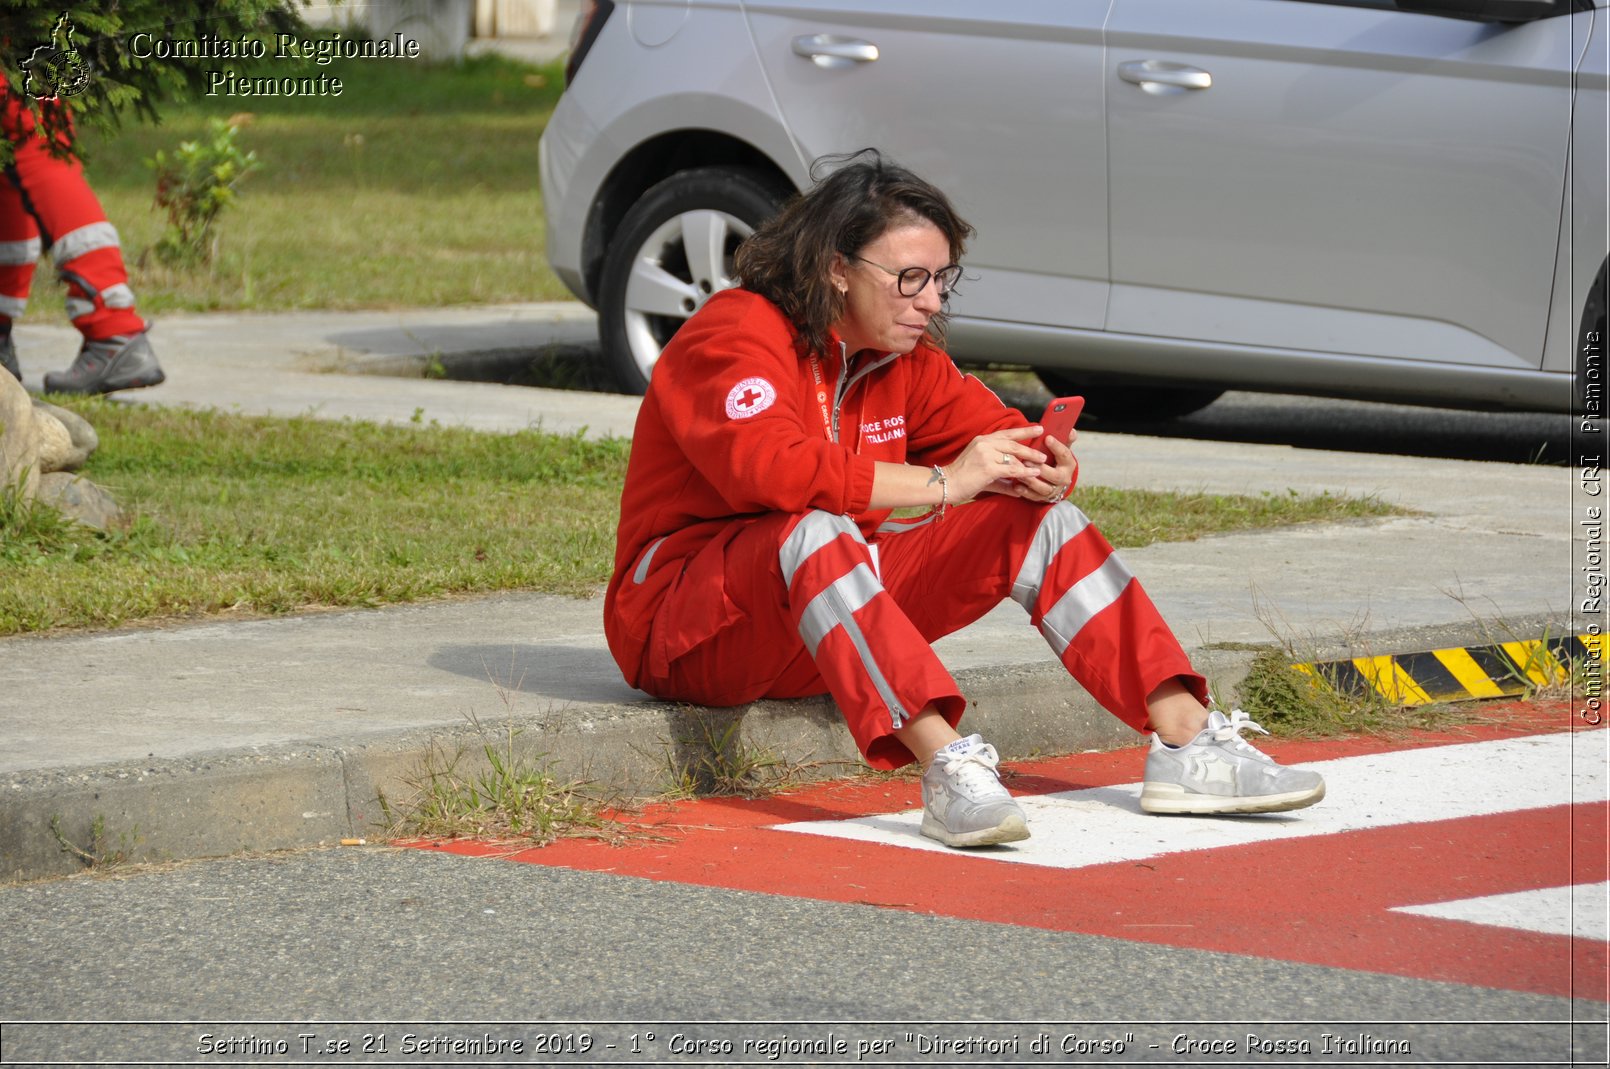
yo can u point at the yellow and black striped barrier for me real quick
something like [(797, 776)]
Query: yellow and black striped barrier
[(1504, 669)]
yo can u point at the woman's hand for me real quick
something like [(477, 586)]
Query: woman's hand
[(999, 461), (1049, 481), (1053, 481)]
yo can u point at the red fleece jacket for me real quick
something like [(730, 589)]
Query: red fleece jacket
[(732, 425)]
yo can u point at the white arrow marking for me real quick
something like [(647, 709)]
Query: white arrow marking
[(1582, 910), (1101, 825)]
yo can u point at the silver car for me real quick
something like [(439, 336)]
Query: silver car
[(1358, 198)]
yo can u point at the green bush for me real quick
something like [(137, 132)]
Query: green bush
[(194, 185)]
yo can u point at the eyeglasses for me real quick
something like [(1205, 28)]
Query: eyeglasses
[(913, 279)]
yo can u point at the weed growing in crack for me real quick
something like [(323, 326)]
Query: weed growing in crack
[(713, 758), (101, 853), (502, 792)]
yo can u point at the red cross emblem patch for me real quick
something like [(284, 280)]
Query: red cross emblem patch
[(750, 397)]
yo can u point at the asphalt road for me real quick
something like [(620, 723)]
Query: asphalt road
[(379, 935)]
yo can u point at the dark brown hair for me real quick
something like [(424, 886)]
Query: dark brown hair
[(788, 259)]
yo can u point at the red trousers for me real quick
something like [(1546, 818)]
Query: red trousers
[(783, 606), (47, 205)]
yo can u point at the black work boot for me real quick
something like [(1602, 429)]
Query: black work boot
[(122, 362), (8, 356)]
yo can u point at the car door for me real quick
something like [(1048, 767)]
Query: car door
[(1336, 177), (997, 104)]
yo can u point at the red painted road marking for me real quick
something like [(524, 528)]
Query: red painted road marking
[(1332, 900)]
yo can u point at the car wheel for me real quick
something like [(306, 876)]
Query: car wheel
[(674, 249), (1130, 403)]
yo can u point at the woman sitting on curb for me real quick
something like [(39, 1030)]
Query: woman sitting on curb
[(756, 556)]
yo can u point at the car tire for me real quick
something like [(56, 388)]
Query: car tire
[(673, 251), (1130, 403), (1589, 401)]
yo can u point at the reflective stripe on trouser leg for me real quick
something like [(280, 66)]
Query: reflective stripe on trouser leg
[(1096, 617), (80, 240), (868, 653), (99, 300), (835, 606), (17, 253), (20, 244), (1061, 618), (17, 260)]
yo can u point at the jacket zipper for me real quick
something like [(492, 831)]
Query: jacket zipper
[(842, 389)]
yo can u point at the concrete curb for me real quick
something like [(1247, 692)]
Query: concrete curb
[(308, 795), (280, 798)]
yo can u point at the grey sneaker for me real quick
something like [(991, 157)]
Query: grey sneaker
[(963, 802), (8, 356), (123, 362), (1220, 772)]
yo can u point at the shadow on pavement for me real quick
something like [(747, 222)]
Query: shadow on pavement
[(1276, 419), (568, 673), (1347, 426)]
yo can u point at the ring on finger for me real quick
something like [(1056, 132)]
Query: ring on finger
[(1005, 459)]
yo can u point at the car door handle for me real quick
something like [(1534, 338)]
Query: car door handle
[(831, 51), (1156, 76)]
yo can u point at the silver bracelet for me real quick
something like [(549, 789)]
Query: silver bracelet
[(944, 490)]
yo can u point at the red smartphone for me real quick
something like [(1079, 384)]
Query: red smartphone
[(1060, 416)]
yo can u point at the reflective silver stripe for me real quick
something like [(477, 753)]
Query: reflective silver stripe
[(896, 526), (835, 607), (12, 307), (14, 253), (1053, 534), (118, 296), (75, 243), (642, 565), (1083, 600), (810, 534), (77, 306)]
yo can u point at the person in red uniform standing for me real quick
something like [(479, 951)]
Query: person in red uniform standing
[(756, 554), (47, 205)]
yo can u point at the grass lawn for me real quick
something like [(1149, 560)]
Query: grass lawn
[(245, 515), (417, 186)]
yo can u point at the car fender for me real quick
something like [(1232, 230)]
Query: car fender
[(585, 148), (1583, 224)]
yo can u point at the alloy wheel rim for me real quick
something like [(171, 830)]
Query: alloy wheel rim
[(683, 263)]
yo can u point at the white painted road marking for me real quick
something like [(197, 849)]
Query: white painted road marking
[(1582, 910), (1101, 825)]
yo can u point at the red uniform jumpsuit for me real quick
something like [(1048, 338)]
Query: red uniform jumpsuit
[(46, 204), (749, 564)]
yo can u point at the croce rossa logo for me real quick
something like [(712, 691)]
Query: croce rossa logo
[(56, 70)]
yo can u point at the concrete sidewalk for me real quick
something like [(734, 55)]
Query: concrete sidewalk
[(208, 738)]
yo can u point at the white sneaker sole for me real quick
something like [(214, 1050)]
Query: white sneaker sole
[(1172, 798), (1010, 830)]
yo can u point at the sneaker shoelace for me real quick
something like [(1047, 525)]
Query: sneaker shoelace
[(974, 772), (1230, 734)]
